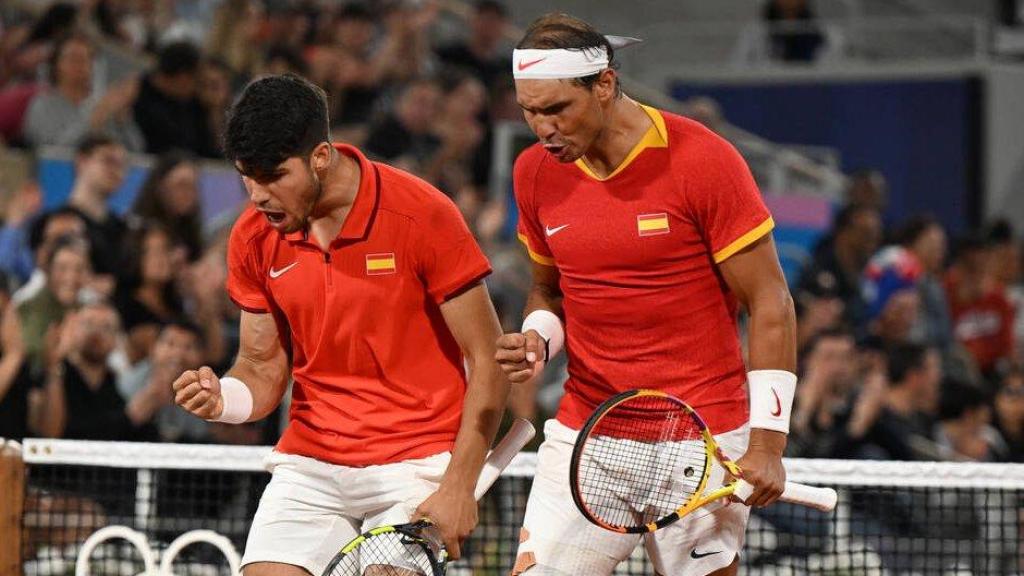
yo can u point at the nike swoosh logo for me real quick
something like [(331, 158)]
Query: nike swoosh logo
[(552, 231), (524, 65), (697, 555), (276, 273), (778, 404)]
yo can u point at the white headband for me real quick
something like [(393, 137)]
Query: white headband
[(535, 64)]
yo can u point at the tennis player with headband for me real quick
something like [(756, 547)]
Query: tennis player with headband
[(647, 232), (371, 279)]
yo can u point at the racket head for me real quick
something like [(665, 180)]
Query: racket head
[(412, 549), (641, 458)]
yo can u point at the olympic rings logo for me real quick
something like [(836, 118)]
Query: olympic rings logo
[(149, 556)]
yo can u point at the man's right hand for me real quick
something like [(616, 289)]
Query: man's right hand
[(521, 356), (198, 391)]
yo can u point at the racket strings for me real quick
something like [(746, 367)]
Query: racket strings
[(387, 554), (642, 460)]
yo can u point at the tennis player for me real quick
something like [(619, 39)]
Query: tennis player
[(363, 283), (646, 232)]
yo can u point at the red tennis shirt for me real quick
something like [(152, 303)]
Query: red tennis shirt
[(378, 377), (645, 305)]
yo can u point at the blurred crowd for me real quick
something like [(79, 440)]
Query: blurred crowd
[(909, 348)]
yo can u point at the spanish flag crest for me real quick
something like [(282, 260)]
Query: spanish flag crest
[(652, 224), (377, 264)]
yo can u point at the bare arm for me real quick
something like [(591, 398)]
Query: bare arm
[(474, 324), (754, 275), (262, 365), (12, 347)]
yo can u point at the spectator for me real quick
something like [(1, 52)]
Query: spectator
[(482, 53), (146, 293), (99, 172), (170, 197), (840, 258), (79, 399), (981, 312), (27, 325), (794, 35), (404, 137), (1009, 414), (73, 108), (925, 240), (168, 109), (459, 133), (178, 346), (891, 295), (14, 378), (897, 421), (44, 233), (1006, 252), (868, 188), (22, 205), (819, 308), (215, 95), (827, 382), (234, 36), (964, 431)]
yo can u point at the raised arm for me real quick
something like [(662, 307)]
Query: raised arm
[(251, 389)]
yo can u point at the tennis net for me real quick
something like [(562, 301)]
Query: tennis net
[(893, 518)]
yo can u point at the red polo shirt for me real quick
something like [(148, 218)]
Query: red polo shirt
[(638, 252), (378, 377)]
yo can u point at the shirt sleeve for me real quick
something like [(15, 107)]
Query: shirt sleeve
[(244, 280), (725, 201), (449, 259), (529, 229)]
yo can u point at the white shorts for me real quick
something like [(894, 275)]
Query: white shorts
[(311, 509), (557, 540)]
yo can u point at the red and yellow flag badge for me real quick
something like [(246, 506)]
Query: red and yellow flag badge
[(652, 224), (380, 264)]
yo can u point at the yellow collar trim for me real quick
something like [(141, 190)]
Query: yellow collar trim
[(655, 137)]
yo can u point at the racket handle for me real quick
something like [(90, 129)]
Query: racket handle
[(823, 499), (517, 436)]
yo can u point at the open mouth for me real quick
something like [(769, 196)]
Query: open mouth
[(274, 217)]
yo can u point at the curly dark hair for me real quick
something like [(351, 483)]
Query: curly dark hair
[(274, 119), (562, 31)]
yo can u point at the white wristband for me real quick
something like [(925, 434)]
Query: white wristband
[(237, 401), (771, 399), (549, 326)]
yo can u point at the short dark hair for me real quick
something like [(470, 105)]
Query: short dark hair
[(38, 226), (999, 231), (959, 397), (178, 58), (914, 228), (844, 218), (562, 31), (905, 358), (67, 242), (186, 325), (355, 11), (274, 119), (91, 142), (492, 6)]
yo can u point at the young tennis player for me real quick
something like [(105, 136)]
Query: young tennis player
[(363, 284)]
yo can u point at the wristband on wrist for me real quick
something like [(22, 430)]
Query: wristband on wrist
[(237, 400), (771, 399), (549, 326)]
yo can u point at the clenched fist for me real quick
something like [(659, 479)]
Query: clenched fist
[(198, 391), (521, 356)]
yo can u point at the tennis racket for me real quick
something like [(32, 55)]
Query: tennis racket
[(416, 549), (643, 459)]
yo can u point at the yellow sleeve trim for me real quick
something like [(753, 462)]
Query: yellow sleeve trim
[(538, 258), (745, 240)]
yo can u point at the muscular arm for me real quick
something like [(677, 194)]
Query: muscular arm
[(545, 293), (262, 363), (754, 275), (472, 320)]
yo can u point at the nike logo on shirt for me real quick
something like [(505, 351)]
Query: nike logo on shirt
[(697, 555), (276, 273), (552, 231)]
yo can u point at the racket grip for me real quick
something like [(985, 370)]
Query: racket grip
[(823, 499), (517, 436)]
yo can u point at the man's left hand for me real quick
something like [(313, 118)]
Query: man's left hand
[(453, 512), (762, 466)]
